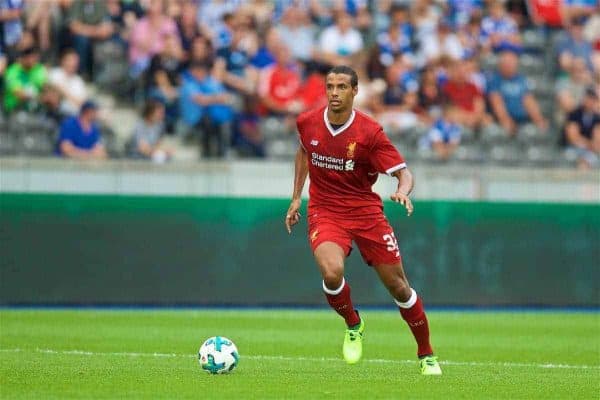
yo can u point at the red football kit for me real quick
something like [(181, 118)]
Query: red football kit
[(343, 165)]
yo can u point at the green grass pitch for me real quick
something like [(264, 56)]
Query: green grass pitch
[(108, 354)]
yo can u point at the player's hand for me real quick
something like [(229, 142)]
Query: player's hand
[(292, 216), (403, 199)]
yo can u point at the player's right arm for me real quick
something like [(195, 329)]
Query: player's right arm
[(300, 173)]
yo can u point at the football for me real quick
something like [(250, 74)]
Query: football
[(218, 355)]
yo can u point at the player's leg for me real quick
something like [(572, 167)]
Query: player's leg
[(331, 244), (379, 248), (330, 259), (412, 311)]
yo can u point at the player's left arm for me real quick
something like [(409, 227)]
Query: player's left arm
[(385, 158), (406, 183)]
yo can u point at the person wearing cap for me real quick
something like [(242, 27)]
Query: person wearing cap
[(582, 130), (79, 136), (24, 81)]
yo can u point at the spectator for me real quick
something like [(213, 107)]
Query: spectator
[(499, 31), (79, 136), (38, 21), (444, 136), (123, 16), (470, 37), (187, 25), (70, 85), (201, 52), (163, 78), (248, 138), (570, 88), (397, 40), (279, 84), (147, 134), (24, 81), (468, 99), (89, 23), (425, 18), (216, 19), (265, 55), (205, 106), (573, 9), (149, 37), (510, 96), (313, 92), (340, 43), (574, 46), (233, 65), (461, 12), (296, 32), (11, 26), (443, 43), (398, 106), (430, 95), (582, 130)]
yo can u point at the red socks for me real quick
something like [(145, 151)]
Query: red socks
[(414, 314), (339, 299)]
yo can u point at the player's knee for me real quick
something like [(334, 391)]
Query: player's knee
[(333, 273), (400, 289), (333, 278)]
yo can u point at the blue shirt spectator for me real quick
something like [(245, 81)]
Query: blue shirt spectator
[(219, 112), (236, 60), (512, 90), (12, 28), (200, 94), (461, 10), (444, 131), (394, 42), (499, 30), (79, 136), (574, 45), (191, 112)]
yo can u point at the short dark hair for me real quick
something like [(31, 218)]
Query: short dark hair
[(151, 106), (346, 70)]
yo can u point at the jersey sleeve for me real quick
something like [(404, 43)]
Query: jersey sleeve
[(384, 157), (300, 128)]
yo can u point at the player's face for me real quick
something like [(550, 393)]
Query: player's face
[(340, 93)]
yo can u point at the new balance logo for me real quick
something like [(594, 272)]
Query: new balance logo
[(314, 142)]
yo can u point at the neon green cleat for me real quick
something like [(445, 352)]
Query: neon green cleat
[(430, 366), (353, 343)]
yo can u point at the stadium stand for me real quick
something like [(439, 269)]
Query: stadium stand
[(139, 50)]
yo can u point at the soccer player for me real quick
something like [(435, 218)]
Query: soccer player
[(343, 151)]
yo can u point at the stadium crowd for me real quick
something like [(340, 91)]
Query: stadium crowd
[(447, 79)]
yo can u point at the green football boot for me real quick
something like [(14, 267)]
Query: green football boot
[(430, 366), (353, 343)]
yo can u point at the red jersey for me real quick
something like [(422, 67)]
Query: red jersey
[(343, 164), (463, 95), (280, 83)]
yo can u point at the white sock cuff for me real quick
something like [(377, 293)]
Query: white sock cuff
[(336, 291), (410, 302)]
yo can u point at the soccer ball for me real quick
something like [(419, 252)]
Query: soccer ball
[(218, 355)]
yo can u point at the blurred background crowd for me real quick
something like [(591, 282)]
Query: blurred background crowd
[(467, 81)]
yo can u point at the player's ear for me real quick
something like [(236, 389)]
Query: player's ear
[(355, 90)]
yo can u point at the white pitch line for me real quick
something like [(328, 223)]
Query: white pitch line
[(311, 359)]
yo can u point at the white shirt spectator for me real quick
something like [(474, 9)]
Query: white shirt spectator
[(71, 84), (440, 45), (334, 41)]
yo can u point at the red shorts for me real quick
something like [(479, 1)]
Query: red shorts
[(375, 239)]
